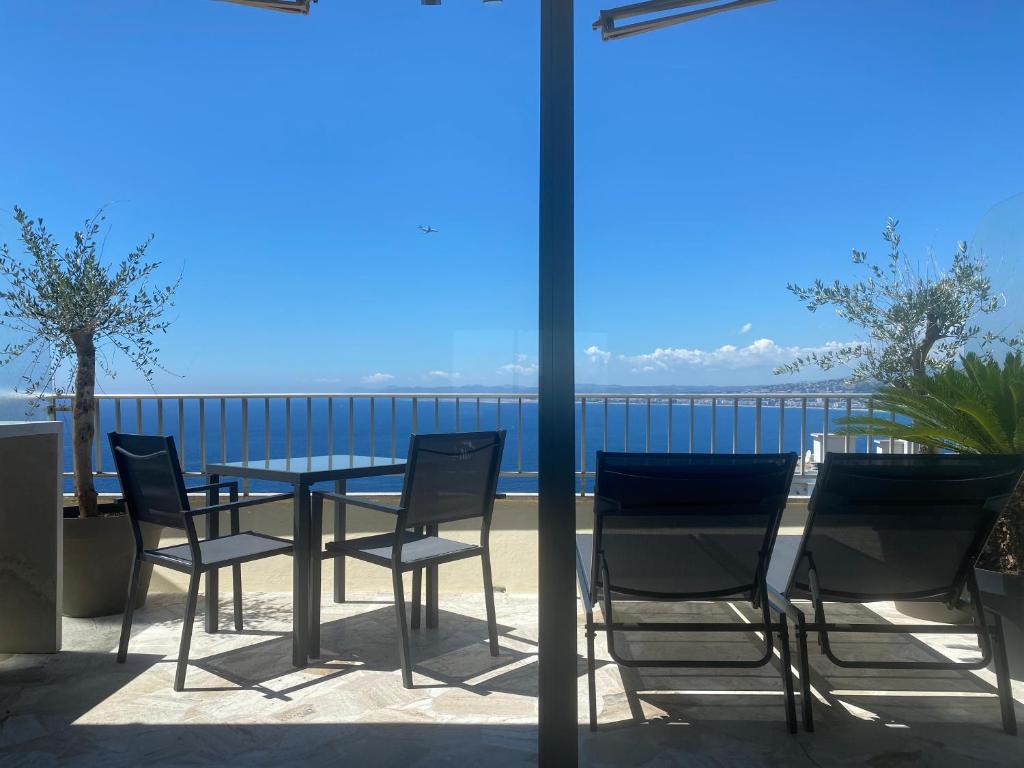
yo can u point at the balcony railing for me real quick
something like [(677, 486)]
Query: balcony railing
[(258, 426)]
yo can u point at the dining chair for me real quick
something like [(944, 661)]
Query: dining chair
[(154, 492), (449, 477)]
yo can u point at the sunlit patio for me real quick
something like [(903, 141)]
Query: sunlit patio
[(244, 702)]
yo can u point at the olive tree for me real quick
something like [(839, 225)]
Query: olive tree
[(917, 320), (65, 304)]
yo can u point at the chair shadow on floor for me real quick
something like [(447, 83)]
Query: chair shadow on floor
[(889, 698)]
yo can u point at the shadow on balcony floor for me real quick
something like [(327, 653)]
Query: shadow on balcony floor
[(246, 705)]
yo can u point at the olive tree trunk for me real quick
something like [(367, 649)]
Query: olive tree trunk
[(1004, 551), (83, 423)]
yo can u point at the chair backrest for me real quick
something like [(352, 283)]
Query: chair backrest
[(151, 479), (687, 525), (452, 476), (885, 526)]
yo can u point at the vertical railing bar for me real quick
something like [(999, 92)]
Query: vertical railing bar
[(160, 416), (519, 435), (351, 428), (583, 445), (803, 435), (647, 427), (309, 426), (117, 414), (394, 430), (330, 426), (714, 425), (458, 413), (871, 415), (223, 430), (138, 415), (245, 441), (604, 442), (373, 427), (757, 425), (781, 425), (266, 429), (497, 413), (97, 453), (477, 414), (181, 432), (735, 425), (824, 444), (437, 414), (849, 411), (625, 428), (287, 427), (692, 425), (416, 415), (669, 449), (202, 431)]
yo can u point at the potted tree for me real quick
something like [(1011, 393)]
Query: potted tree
[(65, 304), (975, 408)]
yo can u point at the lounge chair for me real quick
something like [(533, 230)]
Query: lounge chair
[(684, 527), (890, 527), (154, 492), (448, 477)]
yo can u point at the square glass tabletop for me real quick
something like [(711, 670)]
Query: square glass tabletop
[(309, 469)]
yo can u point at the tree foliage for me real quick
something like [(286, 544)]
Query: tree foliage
[(65, 304), (916, 319), (976, 408)]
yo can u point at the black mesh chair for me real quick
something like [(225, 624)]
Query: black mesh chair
[(884, 527), (682, 527), (154, 492), (448, 477)]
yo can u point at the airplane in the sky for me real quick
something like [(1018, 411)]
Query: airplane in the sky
[(427, 230)]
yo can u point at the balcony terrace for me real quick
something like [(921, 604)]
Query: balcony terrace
[(244, 702)]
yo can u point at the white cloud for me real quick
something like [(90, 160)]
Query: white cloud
[(378, 378), (595, 354), (520, 368), (443, 375), (762, 352), (745, 328)]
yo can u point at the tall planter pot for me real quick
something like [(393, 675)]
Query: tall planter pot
[(98, 554), (1004, 594)]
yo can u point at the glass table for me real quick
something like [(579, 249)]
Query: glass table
[(301, 473)]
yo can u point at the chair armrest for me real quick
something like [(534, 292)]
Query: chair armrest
[(238, 504), (211, 486), (782, 604), (500, 496), (356, 502)]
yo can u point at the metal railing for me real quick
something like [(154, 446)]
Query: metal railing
[(260, 426)]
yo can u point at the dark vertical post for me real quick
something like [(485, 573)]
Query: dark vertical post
[(556, 428)]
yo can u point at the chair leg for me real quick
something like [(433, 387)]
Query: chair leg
[(805, 674), (591, 674), (186, 630), (492, 622), (1002, 669), (236, 589), (129, 611), (403, 629), (417, 595), (787, 673)]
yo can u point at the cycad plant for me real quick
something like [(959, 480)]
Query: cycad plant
[(977, 407)]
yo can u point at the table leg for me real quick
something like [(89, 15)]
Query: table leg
[(212, 531), (431, 586), (340, 524), (316, 535), (300, 577)]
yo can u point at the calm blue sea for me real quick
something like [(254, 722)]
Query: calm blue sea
[(626, 429)]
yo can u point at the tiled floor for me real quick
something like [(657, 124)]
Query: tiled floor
[(245, 705)]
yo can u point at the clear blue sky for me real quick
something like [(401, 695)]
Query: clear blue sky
[(284, 164)]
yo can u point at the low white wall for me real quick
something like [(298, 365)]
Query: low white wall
[(513, 548)]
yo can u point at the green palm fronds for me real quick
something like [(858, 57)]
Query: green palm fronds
[(975, 408)]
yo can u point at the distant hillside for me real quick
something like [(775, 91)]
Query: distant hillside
[(839, 386)]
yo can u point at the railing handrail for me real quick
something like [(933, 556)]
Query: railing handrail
[(509, 394)]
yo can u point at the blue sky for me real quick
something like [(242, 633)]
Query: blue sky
[(284, 164)]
